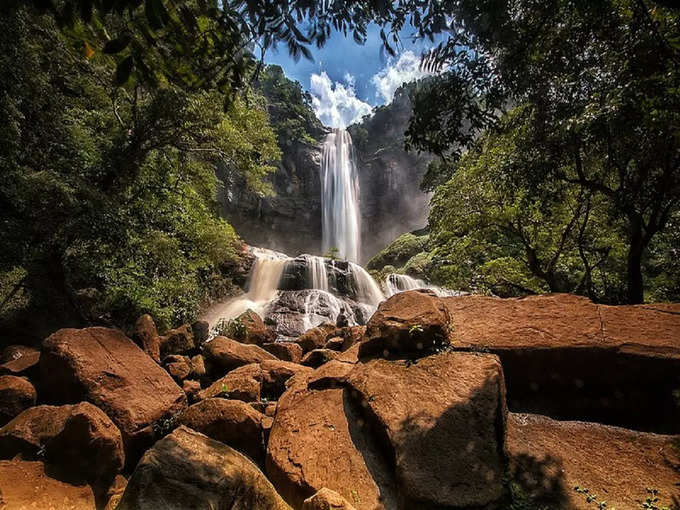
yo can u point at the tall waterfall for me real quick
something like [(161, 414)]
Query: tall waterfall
[(340, 196)]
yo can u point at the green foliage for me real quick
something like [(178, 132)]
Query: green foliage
[(113, 188), (234, 328), (332, 253), (399, 251)]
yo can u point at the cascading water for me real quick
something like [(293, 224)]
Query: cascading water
[(317, 276), (340, 197), (396, 283)]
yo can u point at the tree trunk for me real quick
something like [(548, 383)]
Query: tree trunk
[(634, 276)]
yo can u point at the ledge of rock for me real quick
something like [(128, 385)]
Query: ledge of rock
[(189, 470), (106, 368), (549, 458), (224, 354)]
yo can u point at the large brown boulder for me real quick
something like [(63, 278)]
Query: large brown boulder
[(24, 485), (178, 366), (231, 422), (254, 330), (146, 336), (567, 357), (314, 338), (286, 351), (19, 360), (16, 394), (413, 322), (549, 458), (444, 419), (319, 440), (326, 499), (106, 368), (224, 354), (189, 470), (80, 441), (178, 341)]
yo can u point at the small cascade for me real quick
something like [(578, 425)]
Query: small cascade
[(340, 197), (396, 283), (317, 276), (368, 291)]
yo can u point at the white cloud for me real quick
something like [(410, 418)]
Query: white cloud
[(391, 77), (336, 104)]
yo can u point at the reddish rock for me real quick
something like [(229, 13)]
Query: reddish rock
[(339, 450), (352, 335), (106, 368), (311, 339), (276, 374), (179, 367), (318, 357), (146, 336), (24, 485), (191, 388), (19, 360), (231, 422), (244, 383), (224, 354), (326, 499), (178, 341), (189, 470), (115, 492), (412, 322), (255, 331), (444, 418), (549, 458), (78, 440), (286, 351), (198, 366), (16, 394), (330, 375)]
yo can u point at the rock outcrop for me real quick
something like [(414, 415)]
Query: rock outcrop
[(104, 367), (16, 394), (189, 470), (224, 354)]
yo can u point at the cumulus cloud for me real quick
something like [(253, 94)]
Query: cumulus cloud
[(392, 76), (336, 104)]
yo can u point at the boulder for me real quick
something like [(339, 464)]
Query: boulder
[(444, 420), (549, 458), (106, 368), (115, 492), (335, 343), (179, 367), (326, 499), (189, 470), (201, 331), (25, 485), (254, 330), (286, 351), (566, 357), (318, 357), (231, 422), (198, 366), (79, 441), (16, 394), (275, 377), (19, 360), (191, 388), (409, 323), (146, 336), (318, 440), (178, 341), (224, 354), (314, 338), (244, 383)]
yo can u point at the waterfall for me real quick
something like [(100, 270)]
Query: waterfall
[(340, 196), (262, 286), (317, 276), (368, 290), (396, 283)]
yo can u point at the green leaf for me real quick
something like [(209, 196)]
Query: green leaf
[(117, 45), (124, 70), (156, 13)]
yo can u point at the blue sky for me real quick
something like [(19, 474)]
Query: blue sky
[(347, 79)]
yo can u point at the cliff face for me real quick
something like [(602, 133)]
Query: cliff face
[(390, 201)]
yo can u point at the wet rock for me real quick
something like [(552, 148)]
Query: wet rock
[(286, 351), (16, 394), (189, 470), (25, 485), (106, 368), (326, 499), (318, 357), (408, 323), (79, 441), (444, 421), (549, 458), (224, 354), (231, 422), (146, 336)]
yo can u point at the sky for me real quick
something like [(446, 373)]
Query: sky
[(347, 80)]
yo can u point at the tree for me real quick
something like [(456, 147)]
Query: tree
[(603, 80)]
